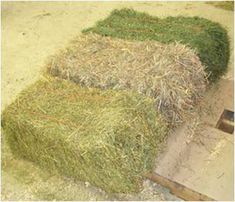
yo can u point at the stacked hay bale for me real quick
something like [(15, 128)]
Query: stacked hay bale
[(171, 74), (110, 135), (108, 138), (210, 39)]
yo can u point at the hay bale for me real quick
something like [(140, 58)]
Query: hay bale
[(107, 138), (209, 38), (171, 74)]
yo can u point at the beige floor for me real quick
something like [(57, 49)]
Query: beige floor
[(32, 31)]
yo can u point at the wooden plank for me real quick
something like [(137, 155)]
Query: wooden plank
[(177, 189)]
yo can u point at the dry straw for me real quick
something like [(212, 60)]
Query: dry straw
[(171, 74), (109, 135), (108, 138)]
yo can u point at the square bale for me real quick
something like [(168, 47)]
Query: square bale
[(108, 138), (172, 74), (209, 38)]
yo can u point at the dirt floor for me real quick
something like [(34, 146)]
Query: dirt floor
[(197, 154)]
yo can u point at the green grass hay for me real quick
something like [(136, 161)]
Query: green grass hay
[(108, 138), (208, 38)]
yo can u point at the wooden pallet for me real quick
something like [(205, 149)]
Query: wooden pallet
[(177, 189)]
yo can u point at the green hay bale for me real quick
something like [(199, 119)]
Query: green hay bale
[(107, 138), (208, 38)]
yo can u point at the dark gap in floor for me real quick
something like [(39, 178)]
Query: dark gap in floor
[(226, 121)]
